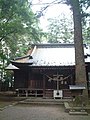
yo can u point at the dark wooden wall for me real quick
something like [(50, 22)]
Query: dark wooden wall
[(39, 78), (20, 79)]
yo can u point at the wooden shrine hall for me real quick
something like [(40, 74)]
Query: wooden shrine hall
[(48, 70)]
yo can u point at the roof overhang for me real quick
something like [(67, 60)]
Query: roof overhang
[(11, 67), (77, 87)]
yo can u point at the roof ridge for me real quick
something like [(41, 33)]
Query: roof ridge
[(48, 45)]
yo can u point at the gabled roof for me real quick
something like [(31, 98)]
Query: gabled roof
[(53, 55)]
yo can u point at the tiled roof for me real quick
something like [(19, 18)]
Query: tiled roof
[(55, 55)]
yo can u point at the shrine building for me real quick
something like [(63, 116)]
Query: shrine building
[(48, 70)]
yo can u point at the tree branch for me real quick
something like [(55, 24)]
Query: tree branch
[(4, 36)]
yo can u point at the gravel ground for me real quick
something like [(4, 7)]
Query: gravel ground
[(38, 113)]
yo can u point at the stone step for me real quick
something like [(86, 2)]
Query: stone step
[(43, 101), (40, 103), (78, 113)]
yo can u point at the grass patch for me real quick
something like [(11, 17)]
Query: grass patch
[(5, 101), (4, 104), (79, 107)]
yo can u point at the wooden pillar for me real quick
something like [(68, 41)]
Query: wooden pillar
[(26, 93), (30, 79), (43, 85)]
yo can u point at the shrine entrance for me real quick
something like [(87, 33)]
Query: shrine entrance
[(48, 82)]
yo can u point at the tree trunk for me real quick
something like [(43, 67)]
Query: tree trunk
[(80, 70)]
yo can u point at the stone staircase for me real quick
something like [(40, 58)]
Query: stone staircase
[(43, 101)]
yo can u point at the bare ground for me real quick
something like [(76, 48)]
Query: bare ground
[(56, 112)]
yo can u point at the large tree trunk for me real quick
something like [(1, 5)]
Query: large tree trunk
[(80, 70)]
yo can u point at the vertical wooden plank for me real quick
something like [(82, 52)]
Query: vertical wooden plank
[(43, 85)]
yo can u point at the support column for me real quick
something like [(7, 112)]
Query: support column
[(29, 79), (26, 93), (43, 85)]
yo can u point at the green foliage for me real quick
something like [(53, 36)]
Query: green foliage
[(86, 35), (19, 27), (84, 6), (17, 19), (60, 29), (78, 101)]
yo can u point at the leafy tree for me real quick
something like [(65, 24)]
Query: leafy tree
[(60, 29), (78, 42), (86, 34), (17, 22), (16, 16), (85, 4), (19, 27), (78, 15)]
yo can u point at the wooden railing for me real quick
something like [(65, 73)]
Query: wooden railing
[(29, 92), (40, 92)]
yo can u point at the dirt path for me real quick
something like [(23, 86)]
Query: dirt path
[(38, 113)]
